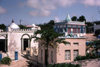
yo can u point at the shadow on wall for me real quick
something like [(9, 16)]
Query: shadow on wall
[(32, 62)]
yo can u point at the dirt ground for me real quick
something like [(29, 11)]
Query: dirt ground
[(23, 63), (19, 63), (93, 63)]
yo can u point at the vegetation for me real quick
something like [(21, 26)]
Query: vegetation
[(88, 25), (97, 32), (82, 18), (3, 27), (48, 37), (5, 60), (96, 45), (74, 18), (23, 27), (64, 65), (88, 56)]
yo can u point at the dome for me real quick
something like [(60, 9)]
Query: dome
[(13, 25), (68, 18)]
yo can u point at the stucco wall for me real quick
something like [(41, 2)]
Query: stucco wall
[(59, 52), (61, 49)]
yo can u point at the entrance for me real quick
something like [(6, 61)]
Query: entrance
[(25, 44), (3, 45)]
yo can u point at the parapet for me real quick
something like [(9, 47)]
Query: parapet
[(23, 30)]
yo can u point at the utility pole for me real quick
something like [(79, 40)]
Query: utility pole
[(20, 22)]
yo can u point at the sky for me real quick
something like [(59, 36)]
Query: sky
[(42, 11)]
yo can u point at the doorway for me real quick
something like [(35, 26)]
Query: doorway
[(25, 43), (3, 45)]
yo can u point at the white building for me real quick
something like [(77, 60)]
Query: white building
[(96, 27), (16, 39)]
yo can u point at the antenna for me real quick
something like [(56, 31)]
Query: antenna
[(12, 21), (20, 22)]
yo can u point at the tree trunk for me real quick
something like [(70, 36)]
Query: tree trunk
[(46, 56)]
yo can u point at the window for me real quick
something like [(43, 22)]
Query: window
[(76, 53), (51, 56), (67, 55), (76, 43), (67, 44)]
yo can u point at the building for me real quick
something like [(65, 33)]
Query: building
[(96, 26), (74, 32), (64, 53), (16, 39), (70, 27)]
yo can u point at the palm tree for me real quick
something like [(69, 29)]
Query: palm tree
[(48, 37), (97, 45)]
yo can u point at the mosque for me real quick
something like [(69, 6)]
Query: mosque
[(16, 39)]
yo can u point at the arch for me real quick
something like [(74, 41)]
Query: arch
[(25, 42), (3, 36), (3, 42), (27, 35)]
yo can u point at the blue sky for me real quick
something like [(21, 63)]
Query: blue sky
[(41, 11)]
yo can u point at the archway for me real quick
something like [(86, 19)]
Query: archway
[(25, 42), (3, 43)]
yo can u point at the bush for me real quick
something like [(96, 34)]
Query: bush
[(88, 56), (5, 60), (63, 65)]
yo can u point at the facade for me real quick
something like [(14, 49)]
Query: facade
[(16, 39), (74, 32), (64, 53), (70, 27), (96, 27)]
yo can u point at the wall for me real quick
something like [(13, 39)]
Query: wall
[(14, 41), (59, 52), (49, 55), (61, 49)]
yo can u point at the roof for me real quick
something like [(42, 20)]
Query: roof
[(13, 25), (68, 18), (70, 22)]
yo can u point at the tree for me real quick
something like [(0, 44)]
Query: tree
[(89, 27), (23, 27), (82, 18), (74, 18), (97, 46), (3, 27), (97, 32), (48, 37)]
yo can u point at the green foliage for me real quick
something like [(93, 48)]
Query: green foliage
[(97, 32), (23, 27), (64, 65), (88, 56), (89, 27), (3, 27), (89, 24), (5, 60), (48, 35), (74, 18), (82, 18)]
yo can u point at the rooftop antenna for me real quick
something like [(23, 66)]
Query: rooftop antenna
[(20, 22), (12, 21)]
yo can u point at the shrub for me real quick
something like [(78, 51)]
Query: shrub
[(5, 60), (88, 56)]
